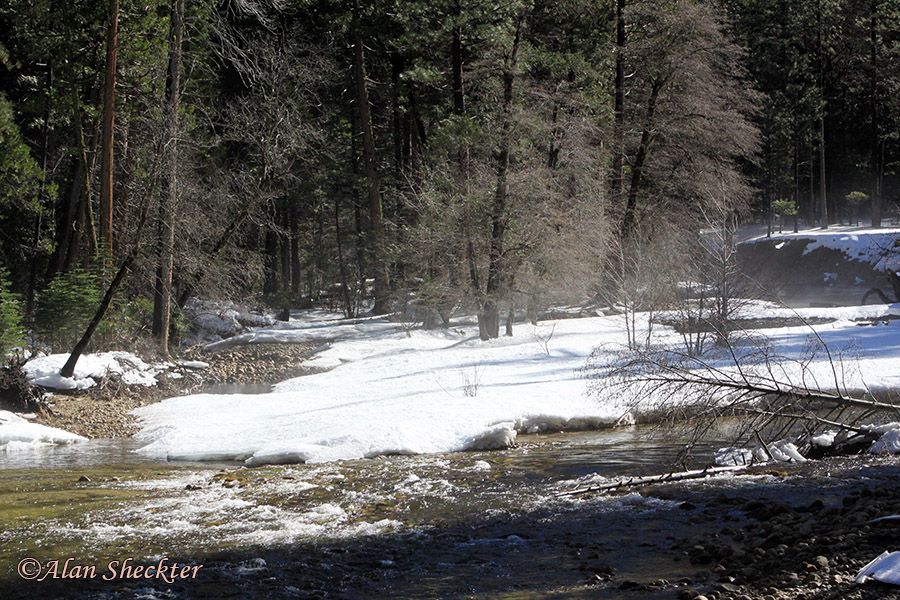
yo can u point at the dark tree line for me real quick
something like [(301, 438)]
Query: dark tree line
[(423, 156)]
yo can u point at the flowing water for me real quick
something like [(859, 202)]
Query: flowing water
[(460, 525), (99, 500)]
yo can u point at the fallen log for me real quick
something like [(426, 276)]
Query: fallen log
[(648, 479)]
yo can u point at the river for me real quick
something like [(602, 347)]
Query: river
[(99, 501), (460, 525)]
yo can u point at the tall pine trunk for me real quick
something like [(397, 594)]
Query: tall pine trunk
[(162, 298), (875, 158), (109, 110), (489, 316), (618, 174), (376, 221)]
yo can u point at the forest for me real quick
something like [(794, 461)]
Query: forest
[(425, 157)]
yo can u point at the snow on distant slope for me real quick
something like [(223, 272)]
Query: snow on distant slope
[(395, 391), (869, 245)]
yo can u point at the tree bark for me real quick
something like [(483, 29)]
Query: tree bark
[(109, 108), (618, 179), (489, 318), (376, 223), (875, 158), (162, 297), (648, 479), (637, 170)]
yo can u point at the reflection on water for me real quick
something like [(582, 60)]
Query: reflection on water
[(88, 454), (622, 450)]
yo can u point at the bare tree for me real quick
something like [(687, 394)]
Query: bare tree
[(689, 110)]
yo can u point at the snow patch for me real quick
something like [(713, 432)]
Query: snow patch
[(885, 568), (90, 368), (888, 443), (19, 435)]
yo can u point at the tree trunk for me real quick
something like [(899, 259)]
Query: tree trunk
[(821, 69), (342, 267), (875, 133), (109, 108), (822, 193), (69, 242), (490, 313), (270, 285), (637, 170), (69, 368), (376, 224), (459, 109), (618, 179), (294, 216), (162, 298), (286, 282), (223, 240), (42, 196)]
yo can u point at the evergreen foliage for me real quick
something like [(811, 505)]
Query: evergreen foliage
[(12, 335), (507, 154), (65, 307)]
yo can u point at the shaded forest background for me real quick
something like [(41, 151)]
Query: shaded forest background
[(427, 156)]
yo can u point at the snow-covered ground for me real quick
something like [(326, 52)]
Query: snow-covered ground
[(392, 390)]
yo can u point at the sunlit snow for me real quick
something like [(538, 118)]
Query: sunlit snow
[(395, 390)]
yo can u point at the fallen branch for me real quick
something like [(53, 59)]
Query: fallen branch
[(646, 480)]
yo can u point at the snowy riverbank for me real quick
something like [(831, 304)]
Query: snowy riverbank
[(394, 390)]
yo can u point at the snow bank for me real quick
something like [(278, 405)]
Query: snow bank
[(44, 370), (780, 451), (885, 568), (889, 442), (390, 391), (18, 434)]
